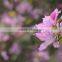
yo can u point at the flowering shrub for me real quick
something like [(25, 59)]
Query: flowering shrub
[(15, 24)]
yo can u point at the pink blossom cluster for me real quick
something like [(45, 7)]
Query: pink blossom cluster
[(47, 29), (5, 38), (16, 20), (48, 34)]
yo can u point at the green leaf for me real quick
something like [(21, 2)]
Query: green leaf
[(35, 41), (60, 39), (53, 1), (14, 57)]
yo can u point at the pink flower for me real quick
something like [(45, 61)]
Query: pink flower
[(24, 7), (48, 21), (8, 21), (45, 44), (15, 48), (55, 14), (46, 33), (35, 13), (41, 55), (56, 44), (44, 55), (4, 37), (20, 19), (52, 19), (4, 55), (7, 4)]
